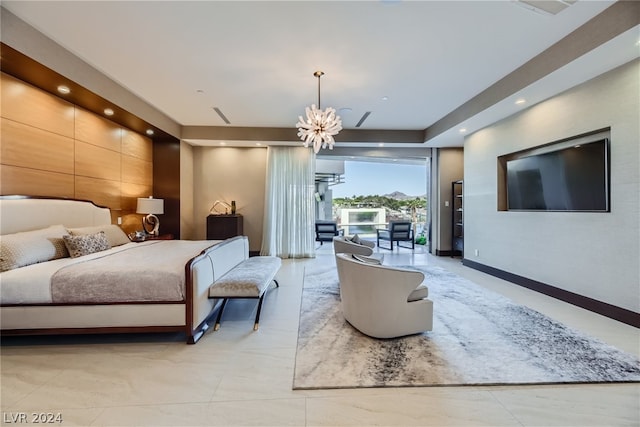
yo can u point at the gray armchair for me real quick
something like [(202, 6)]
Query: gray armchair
[(344, 245), (398, 231), (382, 301)]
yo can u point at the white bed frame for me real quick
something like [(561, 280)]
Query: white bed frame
[(23, 213)]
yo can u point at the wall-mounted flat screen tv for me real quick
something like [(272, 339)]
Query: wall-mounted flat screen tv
[(573, 178)]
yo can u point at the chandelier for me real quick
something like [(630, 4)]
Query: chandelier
[(320, 126)]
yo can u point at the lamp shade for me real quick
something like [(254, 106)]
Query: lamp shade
[(150, 206)]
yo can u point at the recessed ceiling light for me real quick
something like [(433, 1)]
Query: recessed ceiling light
[(64, 89), (381, 144), (223, 143), (108, 111), (258, 143), (149, 132), (345, 110), (385, 98), (520, 101), (462, 130)]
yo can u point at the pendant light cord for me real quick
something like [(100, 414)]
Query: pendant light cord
[(318, 74)]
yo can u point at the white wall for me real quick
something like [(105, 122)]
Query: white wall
[(592, 254), (226, 174)]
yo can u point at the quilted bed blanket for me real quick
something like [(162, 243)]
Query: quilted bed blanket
[(138, 273)]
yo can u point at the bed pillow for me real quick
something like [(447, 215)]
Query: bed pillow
[(31, 247), (115, 235), (86, 244)]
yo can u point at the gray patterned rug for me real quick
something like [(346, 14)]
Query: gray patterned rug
[(478, 337)]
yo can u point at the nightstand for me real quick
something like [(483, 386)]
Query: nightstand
[(148, 237), (160, 237), (220, 227)]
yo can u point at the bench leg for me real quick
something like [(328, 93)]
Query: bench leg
[(217, 325), (256, 323)]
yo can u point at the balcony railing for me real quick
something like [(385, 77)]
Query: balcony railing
[(368, 229)]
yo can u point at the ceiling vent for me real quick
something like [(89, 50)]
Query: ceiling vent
[(222, 116), (545, 7), (362, 119)]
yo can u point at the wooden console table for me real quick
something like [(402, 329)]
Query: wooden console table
[(220, 227)]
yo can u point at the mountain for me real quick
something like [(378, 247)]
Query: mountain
[(399, 195), (396, 195)]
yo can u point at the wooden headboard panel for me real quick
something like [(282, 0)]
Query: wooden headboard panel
[(20, 213), (53, 148)]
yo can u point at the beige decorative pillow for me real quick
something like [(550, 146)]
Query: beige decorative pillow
[(356, 239), (86, 244), (30, 247), (115, 235)]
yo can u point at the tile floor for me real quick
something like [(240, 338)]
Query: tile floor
[(239, 377)]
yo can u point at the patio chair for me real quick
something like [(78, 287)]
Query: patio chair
[(326, 231), (397, 231)]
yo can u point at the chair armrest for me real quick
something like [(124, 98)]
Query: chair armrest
[(368, 244)]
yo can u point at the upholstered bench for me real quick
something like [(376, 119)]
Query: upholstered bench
[(249, 279)]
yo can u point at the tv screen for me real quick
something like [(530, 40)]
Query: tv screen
[(574, 178)]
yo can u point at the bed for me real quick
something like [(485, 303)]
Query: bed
[(95, 280)]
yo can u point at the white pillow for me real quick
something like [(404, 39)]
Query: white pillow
[(115, 235), (31, 247)]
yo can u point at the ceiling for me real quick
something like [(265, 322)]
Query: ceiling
[(254, 61)]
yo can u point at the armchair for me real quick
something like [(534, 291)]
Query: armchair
[(398, 231), (326, 231), (382, 301), (342, 245)]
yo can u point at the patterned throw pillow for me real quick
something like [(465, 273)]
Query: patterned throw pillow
[(31, 247), (115, 235), (86, 244)]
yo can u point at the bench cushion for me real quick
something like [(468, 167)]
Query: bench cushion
[(249, 279)]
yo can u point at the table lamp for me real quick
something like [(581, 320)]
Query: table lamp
[(150, 206)]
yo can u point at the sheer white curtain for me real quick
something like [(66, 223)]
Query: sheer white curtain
[(289, 214)]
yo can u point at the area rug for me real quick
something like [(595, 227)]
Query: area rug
[(479, 338)]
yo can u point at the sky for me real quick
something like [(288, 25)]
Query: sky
[(368, 178)]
